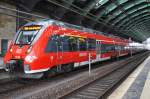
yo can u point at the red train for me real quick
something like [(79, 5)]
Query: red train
[(39, 47)]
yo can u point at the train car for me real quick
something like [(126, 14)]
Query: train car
[(39, 47)]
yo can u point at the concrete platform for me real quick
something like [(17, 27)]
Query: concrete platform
[(3, 73), (137, 85), (1, 63)]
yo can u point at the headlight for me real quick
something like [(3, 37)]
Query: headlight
[(30, 58), (11, 49)]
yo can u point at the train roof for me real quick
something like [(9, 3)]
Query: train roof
[(67, 25)]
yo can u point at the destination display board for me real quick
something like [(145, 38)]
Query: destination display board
[(31, 28)]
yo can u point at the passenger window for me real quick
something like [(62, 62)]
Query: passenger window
[(64, 43), (52, 45), (116, 48), (103, 48), (110, 47), (91, 44), (82, 44), (122, 47), (98, 47), (73, 43), (57, 43)]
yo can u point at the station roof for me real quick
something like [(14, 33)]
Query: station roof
[(126, 18)]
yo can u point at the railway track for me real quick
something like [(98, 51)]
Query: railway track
[(10, 84), (100, 88), (60, 86)]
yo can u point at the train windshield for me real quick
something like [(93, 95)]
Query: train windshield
[(27, 34)]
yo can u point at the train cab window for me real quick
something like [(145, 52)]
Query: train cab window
[(27, 34), (26, 37), (91, 44), (82, 44)]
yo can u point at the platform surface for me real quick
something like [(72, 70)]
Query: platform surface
[(3, 73), (1, 63), (137, 85)]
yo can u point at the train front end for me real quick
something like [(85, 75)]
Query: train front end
[(20, 54)]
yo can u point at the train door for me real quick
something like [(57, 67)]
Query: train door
[(55, 46), (60, 51), (98, 50), (114, 49), (117, 49)]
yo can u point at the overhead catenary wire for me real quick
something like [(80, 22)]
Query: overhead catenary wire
[(42, 17), (23, 12), (115, 28), (105, 24), (14, 15)]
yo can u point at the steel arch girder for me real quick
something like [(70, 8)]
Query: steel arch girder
[(132, 17), (131, 20), (90, 5), (129, 10), (139, 22), (135, 21), (132, 14)]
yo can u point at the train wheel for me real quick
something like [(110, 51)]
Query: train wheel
[(51, 72), (68, 67), (54, 71), (113, 58)]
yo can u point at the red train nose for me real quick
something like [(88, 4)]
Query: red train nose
[(19, 52)]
